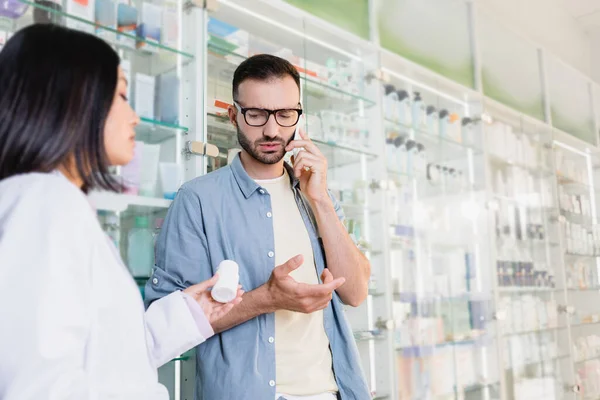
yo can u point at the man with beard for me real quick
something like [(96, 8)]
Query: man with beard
[(289, 337)]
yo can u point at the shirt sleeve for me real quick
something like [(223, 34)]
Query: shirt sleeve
[(182, 257)]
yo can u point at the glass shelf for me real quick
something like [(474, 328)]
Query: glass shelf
[(357, 209), (224, 136), (584, 324), (538, 362), (427, 350), (371, 338), (575, 255), (537, 171), (534, 331), (159, 51), (525, 290), (117, 202), (411, 297), (577, 218), (522, 203), (317, 95), (154, 132), (575, 186), (185, 356), (592, 358), (451, 148)]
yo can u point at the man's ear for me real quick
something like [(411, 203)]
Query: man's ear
[(232, 112)]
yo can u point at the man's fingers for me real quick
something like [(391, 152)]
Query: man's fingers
[(320, 290), (290, 265)]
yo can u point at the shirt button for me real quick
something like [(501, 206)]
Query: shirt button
[(269, 214), (271, 254), (271, 339), (155, 281), (262, 191), (271, 383)]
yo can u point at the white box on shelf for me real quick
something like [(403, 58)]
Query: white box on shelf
[(144, 95), (170, 24), (149, 28), (106, 17), (127, 22), (83, 9), (167, 99)]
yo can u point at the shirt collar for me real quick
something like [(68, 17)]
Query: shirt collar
[(248, 185)]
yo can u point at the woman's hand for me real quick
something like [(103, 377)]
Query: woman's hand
[(213, 310)]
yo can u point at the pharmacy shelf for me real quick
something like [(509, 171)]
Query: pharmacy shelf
[(538, 171), (412, 297), (584, 324), (357, 210), (429, 349), (590, 358), (573, 186), (154, 132), (530, 205), (576, 255), (526, 290), (163, 58), (534, 331), (545, 361), (318, 95), (116, 202), (362, 337), (440, 144)]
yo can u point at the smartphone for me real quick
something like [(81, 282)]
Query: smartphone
[(297, 135)]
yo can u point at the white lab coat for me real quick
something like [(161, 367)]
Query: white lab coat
[(72, 321)]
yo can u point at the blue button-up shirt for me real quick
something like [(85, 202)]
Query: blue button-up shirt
[(223, 216)]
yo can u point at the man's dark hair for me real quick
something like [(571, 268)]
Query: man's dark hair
[(263, 67), (57, 86)]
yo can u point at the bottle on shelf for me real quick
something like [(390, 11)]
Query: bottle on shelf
[(418, 112), (444, 121), (390, 103), (140, 248), (433, 123), (404, 108)]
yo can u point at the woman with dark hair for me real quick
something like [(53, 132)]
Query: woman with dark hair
[(72, 321)]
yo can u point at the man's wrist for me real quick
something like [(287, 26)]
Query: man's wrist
[(322, 204), (265, 299)]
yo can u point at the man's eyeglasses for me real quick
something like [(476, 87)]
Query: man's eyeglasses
[(286, 117)]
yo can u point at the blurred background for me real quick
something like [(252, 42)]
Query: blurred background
[(462, 139)]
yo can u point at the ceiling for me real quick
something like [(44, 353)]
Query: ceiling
[(586, 12)]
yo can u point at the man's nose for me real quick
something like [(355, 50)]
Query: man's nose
[(271, 128)]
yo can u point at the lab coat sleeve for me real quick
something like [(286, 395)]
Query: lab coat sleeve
[(172, 328)]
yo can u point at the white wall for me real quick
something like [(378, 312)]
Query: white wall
[(548, 24), (595, 38)]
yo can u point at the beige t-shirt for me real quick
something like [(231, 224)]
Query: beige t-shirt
[(302, 353)]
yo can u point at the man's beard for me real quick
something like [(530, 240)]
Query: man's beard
[(254, 148)]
